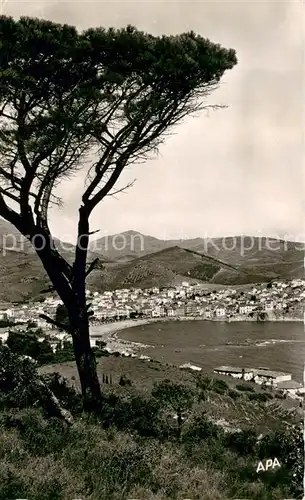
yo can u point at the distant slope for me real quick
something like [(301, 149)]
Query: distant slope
[(13, 241), (234, 250), (144, 261), (129, 244), (172, 266), (22, 276)]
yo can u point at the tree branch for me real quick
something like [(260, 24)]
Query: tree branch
[(92, 266), (55, 404), (123, 189), (94, 232), (51, 321)]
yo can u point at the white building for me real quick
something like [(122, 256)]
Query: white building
[(220, 312), (246, 309), (235, 372), (269, 306), (3, 336), (269, 377), (291, 387)]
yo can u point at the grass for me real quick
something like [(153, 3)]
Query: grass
[(101, 465), (133, 448)]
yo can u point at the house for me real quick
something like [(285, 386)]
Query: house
[(158, 311), (235, 372), (220, 312), (3, 336), (291, 387), (269, 377), (171, 312), (208, 313), (180, 311), (246, 308), (269, 305)]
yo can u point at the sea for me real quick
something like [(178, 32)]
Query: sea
[(208, 344)]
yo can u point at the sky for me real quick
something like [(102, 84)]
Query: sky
[(238, 170)]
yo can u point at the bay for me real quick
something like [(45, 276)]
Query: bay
[(207, 344)]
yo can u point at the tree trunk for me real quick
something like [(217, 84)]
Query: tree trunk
[(86, 364), (79, 322)]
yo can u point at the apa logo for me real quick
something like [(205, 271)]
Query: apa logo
[(270, 464)]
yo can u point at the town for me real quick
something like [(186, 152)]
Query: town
[(277, 300)]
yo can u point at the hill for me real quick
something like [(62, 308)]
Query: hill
[(22, 276), (129, 245), (144, 261), (234, 250), (174, 265), (257, 259)]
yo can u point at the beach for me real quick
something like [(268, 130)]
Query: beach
[(108, 332)]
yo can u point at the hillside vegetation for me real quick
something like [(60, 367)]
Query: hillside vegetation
[(134, 447)]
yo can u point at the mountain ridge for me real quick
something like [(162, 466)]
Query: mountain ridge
[(144, 261)]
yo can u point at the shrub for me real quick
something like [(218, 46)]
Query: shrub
[(124, 381), (199, 429), (234, 394), (99, 352), (67, 395), (40, 436), (133, 412), (259, 396), (279, 395), (19, 387), (242, 442), (218, 385), (203, 382), (244, 387), (288, 447), (27, 343)]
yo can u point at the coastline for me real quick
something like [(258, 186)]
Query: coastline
[(108, 332)]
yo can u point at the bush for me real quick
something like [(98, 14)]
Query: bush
[(279, 395), (219, 386), (27, 343), (234, 394), (199, 429), (40, 436), (19, 387), (132, 412), (288, 447), (243, 442), (99, 352), (124, 381), (259, 396), (244, 387), (64, 353), (68, 397)]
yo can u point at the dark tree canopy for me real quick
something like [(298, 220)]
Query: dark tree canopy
[(112, 92), (99, 100)]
